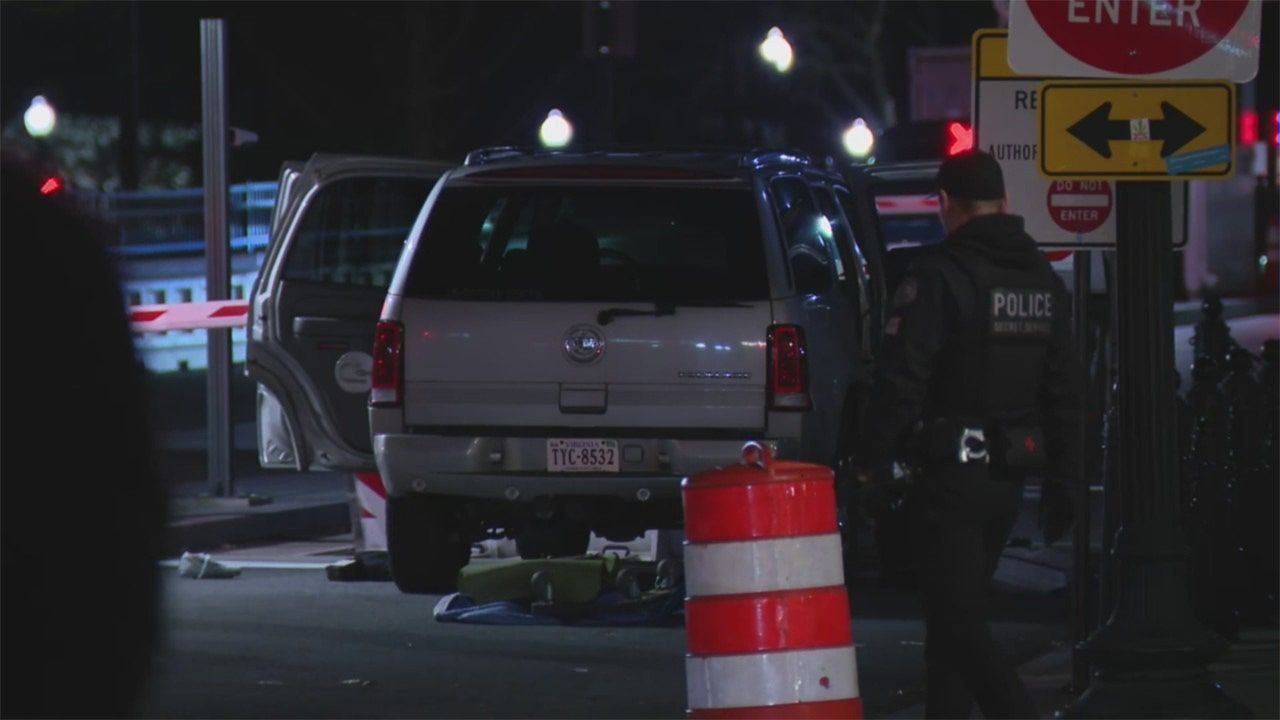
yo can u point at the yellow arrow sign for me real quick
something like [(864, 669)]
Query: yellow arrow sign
[(1137, 131)]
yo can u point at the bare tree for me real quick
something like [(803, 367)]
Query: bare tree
[(840, 55)]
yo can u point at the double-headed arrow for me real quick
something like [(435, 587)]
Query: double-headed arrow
[(1097, 129)]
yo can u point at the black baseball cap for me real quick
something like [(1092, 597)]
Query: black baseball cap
[(972, 175)]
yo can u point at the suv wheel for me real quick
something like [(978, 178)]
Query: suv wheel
[(426, 543), (541, 539)]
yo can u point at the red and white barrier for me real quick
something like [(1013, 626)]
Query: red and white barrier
[(189, 316), (907, 204), (767, 614), (371, 498)]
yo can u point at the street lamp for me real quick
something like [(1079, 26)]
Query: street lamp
[(777, 51), (556, 132), (39, 118), (858, 139)]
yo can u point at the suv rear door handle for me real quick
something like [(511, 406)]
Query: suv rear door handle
[(330, 327), (586, 399)]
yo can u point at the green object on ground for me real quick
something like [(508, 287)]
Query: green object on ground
[(573, 580)]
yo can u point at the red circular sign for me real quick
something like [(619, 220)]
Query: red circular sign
[(1137, 37), (1079, 206)]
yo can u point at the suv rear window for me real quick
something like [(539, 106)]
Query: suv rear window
[(579, 243), (354, 229)]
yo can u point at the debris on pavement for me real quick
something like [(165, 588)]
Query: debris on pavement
[(367, 565), (202, 566)]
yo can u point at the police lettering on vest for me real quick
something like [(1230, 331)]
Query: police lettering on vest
[(1021, 312)]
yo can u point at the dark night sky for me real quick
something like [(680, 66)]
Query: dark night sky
[(336, 76)]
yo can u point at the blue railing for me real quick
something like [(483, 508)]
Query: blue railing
[(158, 236), (171, 222)]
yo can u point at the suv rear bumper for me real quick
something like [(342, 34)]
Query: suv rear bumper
[(515, 468)]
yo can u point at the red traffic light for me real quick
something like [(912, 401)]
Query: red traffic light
[(961, 138), (1248, 127), (51, 186)]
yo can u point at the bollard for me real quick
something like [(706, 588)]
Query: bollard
[(766, 612), (1261, 524), (1186, 459), (369, 528), (1209, 523), (371, 501), (1212, 336), (1245, 510)]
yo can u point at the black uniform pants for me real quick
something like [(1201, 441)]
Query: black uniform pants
[(962, 516)]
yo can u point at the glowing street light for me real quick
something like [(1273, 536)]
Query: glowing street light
[(858, 139), (40, 117), (556, 132), (777, 51)]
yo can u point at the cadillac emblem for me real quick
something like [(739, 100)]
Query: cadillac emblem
[(584, 344)]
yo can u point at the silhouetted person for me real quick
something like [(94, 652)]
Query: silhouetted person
[(82, 510)]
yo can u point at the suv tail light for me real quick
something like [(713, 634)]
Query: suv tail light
[(788, 370), (388, 375)]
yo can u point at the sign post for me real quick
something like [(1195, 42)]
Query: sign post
[(213, 70), (1080, 540), (1152, 652)]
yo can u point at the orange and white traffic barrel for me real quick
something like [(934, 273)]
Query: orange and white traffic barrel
[(766, 612), (371, 499)]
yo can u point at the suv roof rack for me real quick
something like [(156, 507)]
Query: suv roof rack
[(482, 156), (760, 158), (753, 157)]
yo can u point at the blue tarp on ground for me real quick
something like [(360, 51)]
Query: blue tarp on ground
[(610, 609)]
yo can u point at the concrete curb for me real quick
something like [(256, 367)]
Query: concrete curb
[(261, 524)]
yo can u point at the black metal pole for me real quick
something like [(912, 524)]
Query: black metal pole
[(1080, 537), (610, 112), (1110, 483), (213, 66), (130, 171), (1152, 653)]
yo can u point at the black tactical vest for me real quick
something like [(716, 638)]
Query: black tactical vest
[(990, 369)]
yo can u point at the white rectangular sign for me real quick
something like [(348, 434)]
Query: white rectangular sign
[(1063, 214)]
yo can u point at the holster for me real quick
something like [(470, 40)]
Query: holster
[(963, 441), (1021, 446)]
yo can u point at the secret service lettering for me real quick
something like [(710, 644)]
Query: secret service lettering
[(1018, 312)]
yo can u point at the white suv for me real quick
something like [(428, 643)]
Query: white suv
[(557, 339), (568, 335)]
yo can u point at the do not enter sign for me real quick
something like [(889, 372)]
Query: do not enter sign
[(1137, 38), (1079, 206), (1188, 39)]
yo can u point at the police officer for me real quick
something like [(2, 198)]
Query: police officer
[(976, 387)]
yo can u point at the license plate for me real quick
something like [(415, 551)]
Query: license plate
[(582, 455)]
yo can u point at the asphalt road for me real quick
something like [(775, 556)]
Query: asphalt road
[(277, 643)]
